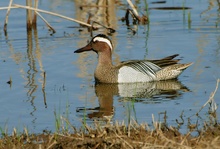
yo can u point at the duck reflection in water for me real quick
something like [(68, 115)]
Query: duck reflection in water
[(149, 92)]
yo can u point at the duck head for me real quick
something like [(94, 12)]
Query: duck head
[(98, 44)]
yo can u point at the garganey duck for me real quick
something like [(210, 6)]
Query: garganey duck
[(133, 70)]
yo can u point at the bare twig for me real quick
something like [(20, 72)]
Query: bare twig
[(51, 13), (211, 97), (48, 25), (110, 30), (3, 8)]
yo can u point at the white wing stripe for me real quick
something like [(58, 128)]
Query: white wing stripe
[(145, 67), (149, 68)]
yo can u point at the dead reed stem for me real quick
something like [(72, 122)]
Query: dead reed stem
[(128, 144), (34, 21), (29, 15), (43, 88), (6, 18), (132, 7)]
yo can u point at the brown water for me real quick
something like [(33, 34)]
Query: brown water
[(69, 84)]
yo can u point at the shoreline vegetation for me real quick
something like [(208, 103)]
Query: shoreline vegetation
[(117, 136)]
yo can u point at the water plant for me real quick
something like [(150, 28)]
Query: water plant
[(62, 123), (147, 11), (57, 121), (4, 130), (184, 11), (189, 19)]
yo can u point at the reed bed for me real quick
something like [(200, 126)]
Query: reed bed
[(32, 12)]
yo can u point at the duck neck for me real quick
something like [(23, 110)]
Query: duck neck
[(105, 71), (105, 58)]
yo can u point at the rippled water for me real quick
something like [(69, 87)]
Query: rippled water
[(68, 87)]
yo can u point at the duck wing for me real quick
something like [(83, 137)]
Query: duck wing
[(143, 66), (150, 67)]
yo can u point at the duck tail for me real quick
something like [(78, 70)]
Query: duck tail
[(184, 66), (170, 57)]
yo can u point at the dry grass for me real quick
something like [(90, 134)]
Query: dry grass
[(116, 136)]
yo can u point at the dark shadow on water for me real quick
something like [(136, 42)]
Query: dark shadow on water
[(148, 93)]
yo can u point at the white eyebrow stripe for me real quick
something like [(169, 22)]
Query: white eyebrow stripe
[(103, 40)]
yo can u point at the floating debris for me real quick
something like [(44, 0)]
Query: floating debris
[(158, 2), (171, 8), (10, 82)]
